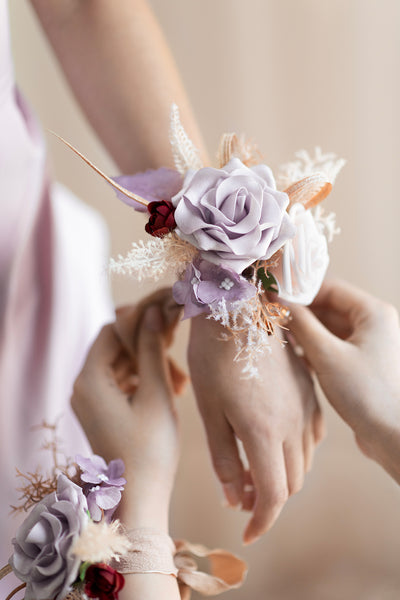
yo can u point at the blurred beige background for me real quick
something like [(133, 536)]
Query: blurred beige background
[(291, 74)]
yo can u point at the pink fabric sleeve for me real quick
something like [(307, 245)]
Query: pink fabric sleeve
[(54, 294)]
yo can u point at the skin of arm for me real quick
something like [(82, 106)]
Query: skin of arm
[(352, 342), (122, 73), (130, 414)]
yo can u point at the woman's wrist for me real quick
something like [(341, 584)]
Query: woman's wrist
[(145, 506)]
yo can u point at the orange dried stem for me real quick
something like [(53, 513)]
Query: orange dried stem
[(37, 485), (16, 590), (115, 185), (5, 571)]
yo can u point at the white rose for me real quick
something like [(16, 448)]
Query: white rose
[(304, 261)]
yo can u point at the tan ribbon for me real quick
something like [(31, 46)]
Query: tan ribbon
[(227, 571), (155, 552)]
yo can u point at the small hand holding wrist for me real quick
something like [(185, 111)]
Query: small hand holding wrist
[(126, 409)]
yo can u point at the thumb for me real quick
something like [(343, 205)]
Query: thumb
[(153, 370), (318, 343)]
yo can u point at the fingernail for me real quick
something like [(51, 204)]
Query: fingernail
[(225, 504), (231, 494), (248, 538), (153, 319)]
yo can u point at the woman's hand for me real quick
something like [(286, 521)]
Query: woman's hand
[(352, 342), (125, 405), (277, 419)]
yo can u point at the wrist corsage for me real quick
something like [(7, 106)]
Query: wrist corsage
[(233, 235), (70, 547)]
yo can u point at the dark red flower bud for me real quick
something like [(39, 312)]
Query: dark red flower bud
[(162, 219), (103, 582)]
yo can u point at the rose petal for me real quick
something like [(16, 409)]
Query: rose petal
[(233, 215)]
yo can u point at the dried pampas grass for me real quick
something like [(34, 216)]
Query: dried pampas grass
[(101, 542)]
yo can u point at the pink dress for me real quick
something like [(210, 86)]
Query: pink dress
[(54, 294)]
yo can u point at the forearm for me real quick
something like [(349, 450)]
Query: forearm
[(121, 71)]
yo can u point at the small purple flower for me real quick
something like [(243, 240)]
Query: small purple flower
[(42, 546), (102, 484), (205, 284)]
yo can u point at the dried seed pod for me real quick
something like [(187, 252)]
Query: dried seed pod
[(228, 147)]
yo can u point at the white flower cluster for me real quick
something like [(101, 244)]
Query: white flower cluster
[(242, 322), (154, 258), (326, 163)]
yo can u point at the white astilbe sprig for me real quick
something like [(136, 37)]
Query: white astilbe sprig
[(101, 542), (252, 336), (154, 258), (251, 341), (305, 164), (326, 222), (186, 155)]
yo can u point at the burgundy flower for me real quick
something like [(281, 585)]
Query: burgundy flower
[(162, 219), (103, 582)]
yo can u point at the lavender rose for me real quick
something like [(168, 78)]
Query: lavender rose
[(233, 215), (42, 544)]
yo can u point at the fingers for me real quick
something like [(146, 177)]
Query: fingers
[(249, 493), (165, 319), (341, 299), (318, 425), (153, 369), (178, 376), (96, 378), (351, 313), (96, 400), (341, 296), (319, 344), (268, 469), (105, 349), (226, 460), (129, 319), (294, 463), (337, 323)]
